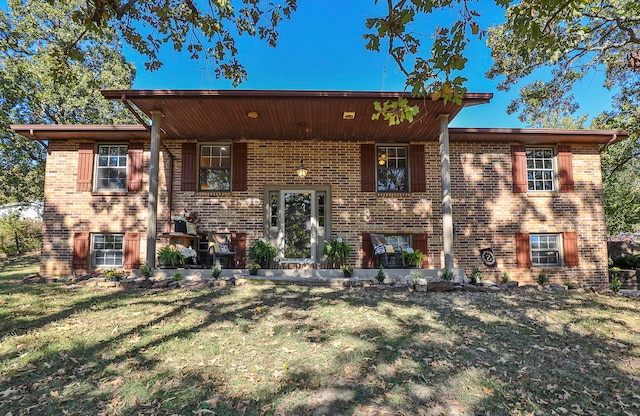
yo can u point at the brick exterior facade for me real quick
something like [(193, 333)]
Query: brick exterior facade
[(486, 211)]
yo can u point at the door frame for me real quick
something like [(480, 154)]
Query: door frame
[(266, 221)]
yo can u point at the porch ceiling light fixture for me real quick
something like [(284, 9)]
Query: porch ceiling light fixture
[(349, 115), (302, 171), (252, 114)]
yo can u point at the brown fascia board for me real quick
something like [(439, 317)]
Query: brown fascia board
[(536, 136), (75, 131), (470, 98)]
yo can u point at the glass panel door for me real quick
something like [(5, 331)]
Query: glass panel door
[(298, 226)]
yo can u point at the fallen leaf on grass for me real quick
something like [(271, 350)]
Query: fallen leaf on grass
[(487, 390)]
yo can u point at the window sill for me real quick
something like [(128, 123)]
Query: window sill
[(393, 194), (201, 194), (109, 193), (538, 194)]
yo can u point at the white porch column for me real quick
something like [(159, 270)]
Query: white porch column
[(154, 168), (445, 172)]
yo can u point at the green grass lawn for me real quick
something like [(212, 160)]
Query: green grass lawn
[(287, 350)]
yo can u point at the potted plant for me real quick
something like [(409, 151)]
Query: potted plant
[(336, 252), (262, 252), (347, 271), (170, 256), (476, 276), (190, 255), (253, 268), (412, 258)]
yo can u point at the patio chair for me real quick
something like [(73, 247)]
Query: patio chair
[(385, 254), (221, 251)]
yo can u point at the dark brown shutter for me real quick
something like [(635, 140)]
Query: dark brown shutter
[(239, 166), (80, 251), (136, 161), (419, 242), (565, 168), (131, 251), (519, 169), (368, 260), (523, 250), (570, 243), (85, 167), (189, 166), (368, 167), (417, 166), (239, 241)]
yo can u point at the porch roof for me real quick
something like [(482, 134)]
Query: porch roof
[(287, 115)]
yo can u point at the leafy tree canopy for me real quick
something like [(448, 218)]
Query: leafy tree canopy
[(36, 87)]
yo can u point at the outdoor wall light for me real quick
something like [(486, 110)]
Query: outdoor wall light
[(302, 171)]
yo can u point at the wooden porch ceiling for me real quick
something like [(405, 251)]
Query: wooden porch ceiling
[(209, 115)]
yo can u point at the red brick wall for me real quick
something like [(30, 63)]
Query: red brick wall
[(486, 211)]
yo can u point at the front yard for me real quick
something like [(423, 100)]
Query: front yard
[(287, 350)]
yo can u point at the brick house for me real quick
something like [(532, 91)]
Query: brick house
[(534, 196)]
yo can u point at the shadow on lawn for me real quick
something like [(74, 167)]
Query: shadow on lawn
[(433, 353)]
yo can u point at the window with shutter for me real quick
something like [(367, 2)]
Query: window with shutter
[(565, 168)]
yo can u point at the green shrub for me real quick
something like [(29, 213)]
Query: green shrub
[(381, 275), (336, 252), (262, 252), (146, 271), (626, 261), (177, 276), (447, 275), (505, 277), (216, 271), (542, 278), (614, 283)]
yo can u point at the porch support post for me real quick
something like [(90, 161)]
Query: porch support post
[(445, 172), (152, 212)]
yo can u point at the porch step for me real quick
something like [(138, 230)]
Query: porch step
[(301, 281)]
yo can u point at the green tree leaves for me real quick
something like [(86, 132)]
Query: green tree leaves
[(39, 88)]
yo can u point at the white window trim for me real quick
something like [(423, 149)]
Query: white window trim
[(93, 251), (96, 169), (560, 250), (554, 160), (199, 160)]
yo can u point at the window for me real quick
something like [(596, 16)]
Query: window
[(111, 168), (215, 168), (108, 250), (392, 172), (401, 242), (540, 169), (545, 250)]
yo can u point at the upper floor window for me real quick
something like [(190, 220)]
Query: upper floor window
[(392, 171), (540, 169), (215, 168), (111, 168), (545, 250), (108, 250)]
